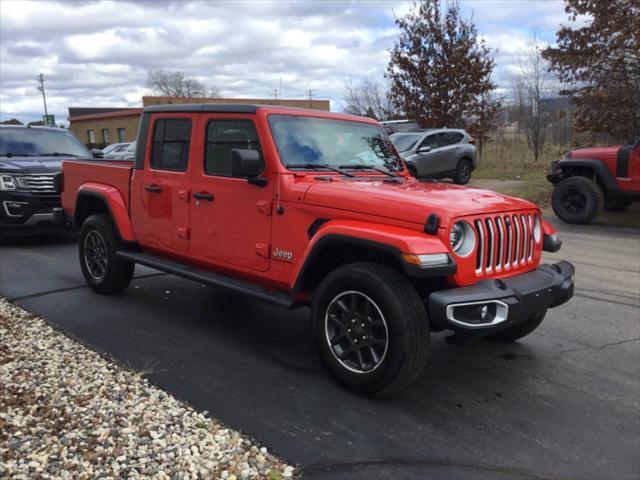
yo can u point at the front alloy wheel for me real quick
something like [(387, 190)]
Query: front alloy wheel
[(370, 327), (356, 332)]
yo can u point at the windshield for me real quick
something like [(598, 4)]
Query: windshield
[(404, 142), (36, 142), (131, 147), (336, 143)]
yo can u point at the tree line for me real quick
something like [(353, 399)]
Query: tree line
[(440, 74)]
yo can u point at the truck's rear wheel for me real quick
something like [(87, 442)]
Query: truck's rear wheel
[(102, 269), (371, 328), (518, 331), (577, 200)]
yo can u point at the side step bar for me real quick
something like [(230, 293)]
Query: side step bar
[(209, 278)]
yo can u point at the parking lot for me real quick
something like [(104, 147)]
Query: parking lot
[(562, 403)]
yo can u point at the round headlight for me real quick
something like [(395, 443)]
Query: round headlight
[(462, 238), (456, 236), (537, 228)]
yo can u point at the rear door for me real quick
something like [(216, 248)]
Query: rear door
[(160, 192), (430, 162), (230, 218), (449, 147)]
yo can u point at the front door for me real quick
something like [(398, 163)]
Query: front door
[(160, 192), (230, 218), (430, 162)]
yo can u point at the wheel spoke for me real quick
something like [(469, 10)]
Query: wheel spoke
[(360, 359), (374, 355), (341, 305)]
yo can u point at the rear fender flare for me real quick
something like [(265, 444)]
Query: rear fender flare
[(114, 202)]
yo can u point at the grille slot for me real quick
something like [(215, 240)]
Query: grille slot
[(44, 183), (504, 242)]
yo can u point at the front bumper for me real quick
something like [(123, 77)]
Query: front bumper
[(27, 213), (508, 301)]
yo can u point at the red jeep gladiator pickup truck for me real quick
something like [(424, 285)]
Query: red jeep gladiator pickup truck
[(301, 207), (589, 179)]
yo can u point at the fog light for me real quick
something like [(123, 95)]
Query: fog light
[(14, 209), (484, 310)]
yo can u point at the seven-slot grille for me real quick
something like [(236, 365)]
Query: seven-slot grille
[(504, 242), (38, 183)]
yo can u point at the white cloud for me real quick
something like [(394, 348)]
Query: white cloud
[(99, 53)]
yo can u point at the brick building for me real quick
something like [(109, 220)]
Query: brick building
[(98, 127)]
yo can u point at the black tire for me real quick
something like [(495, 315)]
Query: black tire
[(577, 200), (102, 269), (616, 204), (463, 172), (518, 331), (395, 313)]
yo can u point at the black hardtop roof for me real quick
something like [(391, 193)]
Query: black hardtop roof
[(215, 107)]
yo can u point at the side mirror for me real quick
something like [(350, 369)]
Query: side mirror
[(97, 153), (424, 149), (247, 163)]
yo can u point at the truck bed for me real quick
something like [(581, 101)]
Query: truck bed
[(108, 173)]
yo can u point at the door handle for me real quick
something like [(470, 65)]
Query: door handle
[(203, 196), (153, 188)]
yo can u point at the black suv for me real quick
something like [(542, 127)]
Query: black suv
[(30, 159)]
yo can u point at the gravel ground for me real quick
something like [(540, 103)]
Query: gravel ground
[(66, 412)]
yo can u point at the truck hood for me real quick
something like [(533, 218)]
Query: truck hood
[(411, 201), (594, 152), (30, 164)]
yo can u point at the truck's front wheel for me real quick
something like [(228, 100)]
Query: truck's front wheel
[(102, 269), (371, 328)]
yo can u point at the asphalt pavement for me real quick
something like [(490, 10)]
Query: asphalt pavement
[(561, 403)]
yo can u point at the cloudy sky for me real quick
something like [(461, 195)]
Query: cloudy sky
[(99, 53)]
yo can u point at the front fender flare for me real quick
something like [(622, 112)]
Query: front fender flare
[(390, 239), (115, 204)]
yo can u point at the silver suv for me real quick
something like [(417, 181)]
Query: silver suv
[(438, 153)]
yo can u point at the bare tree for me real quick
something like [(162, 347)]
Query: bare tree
[(369, 98), (531, 84), (177, 84)]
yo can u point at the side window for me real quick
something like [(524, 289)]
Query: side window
[(450, 138), (222, 137), (431, 141), (171, 138)]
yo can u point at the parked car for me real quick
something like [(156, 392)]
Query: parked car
[(114, 148), (438, 153), (30, 159), (302, 207), (587, 180), (395, 126), (126, 153)]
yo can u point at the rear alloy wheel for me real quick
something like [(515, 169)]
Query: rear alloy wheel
[(577, 200), (463, 172), (101, 267), (371, 328)]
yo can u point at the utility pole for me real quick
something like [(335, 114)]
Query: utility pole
[(44, 98), (310, 97), (275, 94)]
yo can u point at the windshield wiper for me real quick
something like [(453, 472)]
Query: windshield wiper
[(57, 154), (9, 155), (361, 166), (316, 166)]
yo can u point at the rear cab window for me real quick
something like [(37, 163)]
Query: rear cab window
[(171, 141)]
